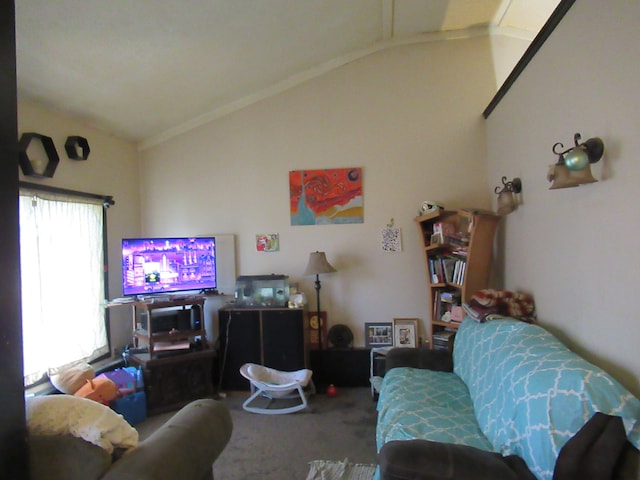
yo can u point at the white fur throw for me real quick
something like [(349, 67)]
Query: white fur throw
[(80, 417)]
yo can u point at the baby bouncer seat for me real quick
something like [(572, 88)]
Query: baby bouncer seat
[(276, 385)]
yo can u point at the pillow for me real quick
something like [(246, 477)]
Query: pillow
[(80, 417), (71, 379)]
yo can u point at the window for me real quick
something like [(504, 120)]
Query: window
[(63, 285)]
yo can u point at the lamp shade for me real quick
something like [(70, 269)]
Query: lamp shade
[(318, 263), (576, 159), (562, 177), (506, 203)]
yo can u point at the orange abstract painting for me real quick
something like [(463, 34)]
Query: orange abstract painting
[(320, 197)]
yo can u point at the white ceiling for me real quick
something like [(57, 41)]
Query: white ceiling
[(147, 70)]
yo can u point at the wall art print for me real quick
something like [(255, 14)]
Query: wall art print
[(322, 197), (267, 242), (391, 238)]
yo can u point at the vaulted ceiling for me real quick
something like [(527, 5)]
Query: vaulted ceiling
[(147, 70)]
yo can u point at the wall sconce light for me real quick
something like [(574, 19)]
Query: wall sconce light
[(507, 201), (573, 167)]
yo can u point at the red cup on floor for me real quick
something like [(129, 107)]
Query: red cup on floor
[(331, 391)]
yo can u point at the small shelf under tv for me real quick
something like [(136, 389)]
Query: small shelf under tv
[(177, 339)]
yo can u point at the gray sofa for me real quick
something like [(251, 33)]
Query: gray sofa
[(511, 402), (184, 448)]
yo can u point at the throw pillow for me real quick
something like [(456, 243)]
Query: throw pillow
[(71, 379), (80, 417)]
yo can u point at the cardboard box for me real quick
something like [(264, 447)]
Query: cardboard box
[(132, 407)]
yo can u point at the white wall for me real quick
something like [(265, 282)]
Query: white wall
[(576, 249), (506, 52), (409, 116), (111, 169)]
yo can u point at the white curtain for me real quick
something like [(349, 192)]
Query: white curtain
[(62, 268)]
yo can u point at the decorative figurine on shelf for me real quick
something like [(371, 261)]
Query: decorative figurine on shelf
[(429, 206)]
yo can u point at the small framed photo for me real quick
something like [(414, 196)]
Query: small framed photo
[(378, 334), (316, 329), (405, 332), (436, 238)]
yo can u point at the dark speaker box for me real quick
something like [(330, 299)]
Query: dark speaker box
[(196, 317)]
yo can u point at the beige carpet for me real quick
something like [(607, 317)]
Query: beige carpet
[(277, 447), (332, 470)]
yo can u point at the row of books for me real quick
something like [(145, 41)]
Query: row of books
[(442, 338), (457, 239), (447, 270)]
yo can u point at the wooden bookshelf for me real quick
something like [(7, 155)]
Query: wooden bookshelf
[(458, 249)]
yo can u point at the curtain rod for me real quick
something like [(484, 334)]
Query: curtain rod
[(108, 199)]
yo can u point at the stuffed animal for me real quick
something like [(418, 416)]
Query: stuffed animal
[(101, 389)]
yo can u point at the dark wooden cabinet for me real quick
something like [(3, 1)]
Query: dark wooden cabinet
[(273, 337), (342, 367), (172, 382)]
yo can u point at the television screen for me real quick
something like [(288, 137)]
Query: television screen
[(166, 265)]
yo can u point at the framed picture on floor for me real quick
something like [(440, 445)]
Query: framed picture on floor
[(314, 331), (405, 332), (378, 334)]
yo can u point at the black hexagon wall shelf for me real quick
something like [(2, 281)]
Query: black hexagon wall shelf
[(73, 143), (27, 165)]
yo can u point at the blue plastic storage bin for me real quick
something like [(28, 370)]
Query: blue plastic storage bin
[(132, 407)]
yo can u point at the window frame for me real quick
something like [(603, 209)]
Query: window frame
[(107, 201)]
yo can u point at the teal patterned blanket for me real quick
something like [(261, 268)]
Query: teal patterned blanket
[(531, 394), (425, 404), (515, 389)]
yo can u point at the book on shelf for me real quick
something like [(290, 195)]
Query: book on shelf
[(432, 274), (458, 239), (448, 264), (458, 273), (442, 338), (457, 314)]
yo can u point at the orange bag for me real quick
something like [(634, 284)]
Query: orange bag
[(101, 389)]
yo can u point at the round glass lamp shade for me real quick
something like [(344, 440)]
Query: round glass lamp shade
[(576, 159)]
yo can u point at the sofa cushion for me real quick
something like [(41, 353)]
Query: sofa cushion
[(65, 457), (426, 404), (80, 417), (426, 460), (531, 394), (594, 451)]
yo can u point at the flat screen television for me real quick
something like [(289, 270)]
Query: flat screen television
[(168, 265)]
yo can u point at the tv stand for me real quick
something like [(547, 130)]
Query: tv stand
[(178, 361), (188, 326)]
